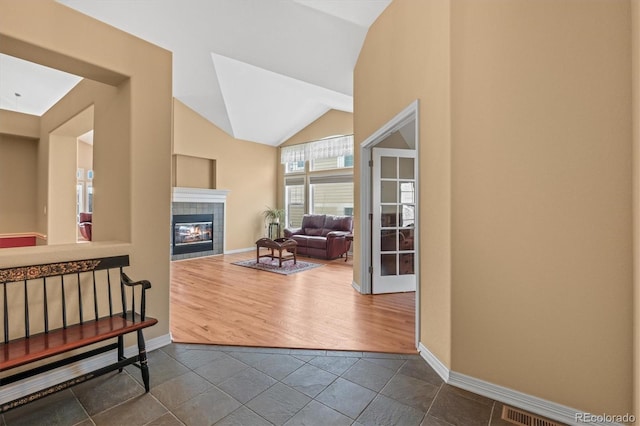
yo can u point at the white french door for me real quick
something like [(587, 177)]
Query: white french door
[(393, 222)]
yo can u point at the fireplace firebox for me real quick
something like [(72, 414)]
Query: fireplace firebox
[(192, 233)]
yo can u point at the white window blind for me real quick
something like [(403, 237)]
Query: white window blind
[(339, 146)]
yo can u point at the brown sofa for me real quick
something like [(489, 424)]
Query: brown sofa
[(322, 235)]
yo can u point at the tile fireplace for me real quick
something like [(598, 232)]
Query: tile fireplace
[(192, 233), (198, 222)]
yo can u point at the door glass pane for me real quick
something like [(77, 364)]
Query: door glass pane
[(388, 216), (406, 264), (407, 216), (407, 168), (407, 192), (388, 264), (406, 239), (388, 240), (388, 192), (388, 168)]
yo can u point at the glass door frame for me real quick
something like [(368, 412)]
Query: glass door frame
[(389, 224)]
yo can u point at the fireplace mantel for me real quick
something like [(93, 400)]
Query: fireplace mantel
[(199, 195)]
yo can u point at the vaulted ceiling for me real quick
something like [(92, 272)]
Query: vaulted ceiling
[(261, 70)]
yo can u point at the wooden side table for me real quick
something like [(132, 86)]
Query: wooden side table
[(279, 244)]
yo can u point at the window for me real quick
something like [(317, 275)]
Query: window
[(332, 163), (294, 201), (89, 208), (326, 186), (294, 167), (332, 195)]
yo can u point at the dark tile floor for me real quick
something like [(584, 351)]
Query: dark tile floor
[(224, 385)]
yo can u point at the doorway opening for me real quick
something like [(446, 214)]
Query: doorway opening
[(389, 218), (70, 189)]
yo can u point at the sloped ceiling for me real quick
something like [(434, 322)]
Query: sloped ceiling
[(29, 88), (261, 70)]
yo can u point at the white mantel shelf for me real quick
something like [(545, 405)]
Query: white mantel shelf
[(199, 195)]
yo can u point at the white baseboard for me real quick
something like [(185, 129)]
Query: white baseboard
[(59, 375), (242, 250), (434, 362), (505, 395), (356, 286)]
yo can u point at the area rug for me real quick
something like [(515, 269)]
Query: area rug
[(271, 265)]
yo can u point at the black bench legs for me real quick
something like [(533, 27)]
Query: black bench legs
[(142, 356)]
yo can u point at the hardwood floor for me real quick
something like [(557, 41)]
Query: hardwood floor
[(213, 301)]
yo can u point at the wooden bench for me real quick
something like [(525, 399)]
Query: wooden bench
[(56, 308)]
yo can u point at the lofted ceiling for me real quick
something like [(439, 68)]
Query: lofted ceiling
[(261, 70), (30, 88)]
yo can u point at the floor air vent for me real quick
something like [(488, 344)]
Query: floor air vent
[(522, 418)]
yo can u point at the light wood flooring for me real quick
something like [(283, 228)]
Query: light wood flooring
[(214, 301)]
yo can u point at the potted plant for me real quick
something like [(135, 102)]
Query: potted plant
[(273, 217)]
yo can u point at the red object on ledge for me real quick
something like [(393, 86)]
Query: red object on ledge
[(85, 225), (7, 242)]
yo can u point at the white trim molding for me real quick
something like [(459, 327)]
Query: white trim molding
[(433, 361), (521, 400), (241, 250), (505, 395), (33, 384), (199, 195)]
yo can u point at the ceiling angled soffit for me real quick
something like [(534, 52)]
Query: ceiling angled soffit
[(304, 40), (359, 12), (271, 107), (31, 88)]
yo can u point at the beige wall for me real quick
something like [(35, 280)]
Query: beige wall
[(61, 208), (18, 178), (194, 172), (247, 169), (408, 42), (541, 192), (332, 123), (18, 124), (526, 142), (635, 20), (85, 157), (132, 140)]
